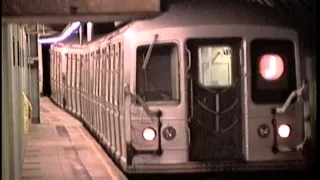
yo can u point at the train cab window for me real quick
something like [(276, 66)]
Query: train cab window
[(215, 66), (158, 76), (273, 75)]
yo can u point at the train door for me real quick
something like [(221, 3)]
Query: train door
[(98, 91), (85, 61), (103, 91), (63, 76), (116, 98), (121, 101), (55, 77), (215, 113), (68, 82), (91, 89), (87, 86), (111, 97), (95, 87), (79, 88), (107, 102), (58, 85), (73, 82)]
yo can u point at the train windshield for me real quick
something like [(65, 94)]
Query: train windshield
[(158, 80)]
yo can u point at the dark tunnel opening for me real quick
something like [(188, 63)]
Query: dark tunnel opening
[(46, 91)]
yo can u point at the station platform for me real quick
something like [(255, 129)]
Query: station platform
[(60, 148)]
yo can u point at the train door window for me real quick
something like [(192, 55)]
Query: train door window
[(93, 73), (89, 69), (73, 60), (52, 63), (158, 76), (58, 69), (69, 69), (214, 65), (116, 73), (54, 66), (99, 72), (96, 62), (77, 74), (78, 71), (103, 78), (96, 73), (85, 75), (112, 73), (107, 73), (273, 75), (121, 74)]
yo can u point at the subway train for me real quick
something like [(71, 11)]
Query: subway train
[(202, 87)]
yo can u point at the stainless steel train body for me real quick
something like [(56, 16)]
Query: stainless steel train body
[(183, 92)]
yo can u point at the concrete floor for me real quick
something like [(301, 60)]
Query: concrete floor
[(60, 148)]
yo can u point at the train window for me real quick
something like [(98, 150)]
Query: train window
[(273, 75), (158, 80), (215, 65)]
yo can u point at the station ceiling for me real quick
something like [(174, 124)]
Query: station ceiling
[(56, 11), (64, 11), (53, 12)]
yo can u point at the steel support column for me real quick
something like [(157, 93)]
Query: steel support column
[(7, 106), (34, 65)]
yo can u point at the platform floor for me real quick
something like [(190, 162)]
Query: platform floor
[(60, 148)]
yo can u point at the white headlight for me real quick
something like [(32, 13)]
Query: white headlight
[(284, 131), (149, 134)]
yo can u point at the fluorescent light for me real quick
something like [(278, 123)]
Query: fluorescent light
[(66, 33)]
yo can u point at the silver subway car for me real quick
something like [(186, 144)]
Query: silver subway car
[(202, 87)]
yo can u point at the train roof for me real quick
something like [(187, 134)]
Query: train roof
[(214, 12), (74, 41)]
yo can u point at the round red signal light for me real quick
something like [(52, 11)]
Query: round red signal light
[(271, 67)]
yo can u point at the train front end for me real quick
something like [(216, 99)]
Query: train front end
[(222, 96)]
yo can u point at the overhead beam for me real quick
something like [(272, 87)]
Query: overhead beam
[(63, 11), (65, 19)]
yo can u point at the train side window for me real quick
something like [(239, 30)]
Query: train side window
[(215, 65), (273, 75), (159, 80)]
